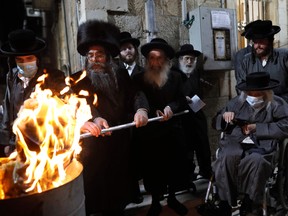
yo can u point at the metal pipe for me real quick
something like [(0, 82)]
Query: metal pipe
[(184, 10), (119, 127), (150, 19)]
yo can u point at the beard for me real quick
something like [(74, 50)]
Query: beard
[(260, 52), (157, 77), (103, 78), (128, 59), (186, 68)]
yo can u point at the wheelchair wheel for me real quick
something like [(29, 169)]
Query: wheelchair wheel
[(282, 177)]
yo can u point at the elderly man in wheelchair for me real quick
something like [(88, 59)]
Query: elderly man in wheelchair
[(252, 123)]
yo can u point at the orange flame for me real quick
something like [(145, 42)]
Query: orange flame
[(48, 133)]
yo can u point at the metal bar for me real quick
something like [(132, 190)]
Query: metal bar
[(119, 127)]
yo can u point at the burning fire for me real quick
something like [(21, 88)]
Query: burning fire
[(48, 133)]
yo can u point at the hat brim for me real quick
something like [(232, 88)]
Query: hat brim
[(243, 87), (274, 30), (134, 41), (188, 52), (146, 48), (39, 46)]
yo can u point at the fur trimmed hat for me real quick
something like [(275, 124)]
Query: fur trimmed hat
[(97, 32), (22, 42), (158, 43)]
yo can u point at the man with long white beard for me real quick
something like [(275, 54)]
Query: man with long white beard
[(107, 159), (194, 123), (161, 145)]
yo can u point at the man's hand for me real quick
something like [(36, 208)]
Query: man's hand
[(248, 129), (95, 127), (228, 116), (167, 113), (141, 118)]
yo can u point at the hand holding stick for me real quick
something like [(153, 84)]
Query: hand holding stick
[(119, 127)]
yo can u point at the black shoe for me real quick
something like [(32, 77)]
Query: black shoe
[(246, 206), (138, 199), (155, 209), (210, 209), (178, 207)]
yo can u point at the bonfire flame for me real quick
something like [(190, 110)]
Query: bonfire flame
[(47, 132)]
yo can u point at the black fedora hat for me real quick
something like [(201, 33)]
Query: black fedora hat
[(261, 29), (187, 49), (246, 30), (22, 42), (98, 32), (125, 37), (258, 81), (158, 43)]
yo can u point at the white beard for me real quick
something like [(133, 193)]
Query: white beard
[(185, 69), (158, 78)]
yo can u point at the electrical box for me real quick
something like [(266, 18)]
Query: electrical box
[(213, 31)]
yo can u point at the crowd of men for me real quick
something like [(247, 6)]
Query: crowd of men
[(159, 152)]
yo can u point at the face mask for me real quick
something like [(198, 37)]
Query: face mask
[(27, 69), (255, 101)]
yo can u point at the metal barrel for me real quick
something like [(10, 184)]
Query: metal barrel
[(66, 200)]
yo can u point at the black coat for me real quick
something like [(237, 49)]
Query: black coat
[(161, 144), (16, 94), (136, 70), (195, 124), (107, 172)]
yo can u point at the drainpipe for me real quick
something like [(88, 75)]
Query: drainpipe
[(67, 67), (150, 19), (184, 10), (223, 4)]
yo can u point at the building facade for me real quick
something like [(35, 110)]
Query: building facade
[(168, 19)]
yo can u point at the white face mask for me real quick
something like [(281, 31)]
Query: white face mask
[(255, 101), (27, 69)]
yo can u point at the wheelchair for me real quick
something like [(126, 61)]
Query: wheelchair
[(275, 201)]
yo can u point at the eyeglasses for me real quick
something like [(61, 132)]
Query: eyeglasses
[(93, 55)]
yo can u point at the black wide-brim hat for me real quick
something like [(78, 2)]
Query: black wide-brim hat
[(246, 30), (22, 42), (187, 49), (125, 37), (98, 32), (258, 81), (158, 43), (261, 29)]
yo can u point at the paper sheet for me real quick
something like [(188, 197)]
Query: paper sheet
[(196, 103)]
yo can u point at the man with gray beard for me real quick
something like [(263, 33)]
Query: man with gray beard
[(194, 123), (106, 158), (161, 147)]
